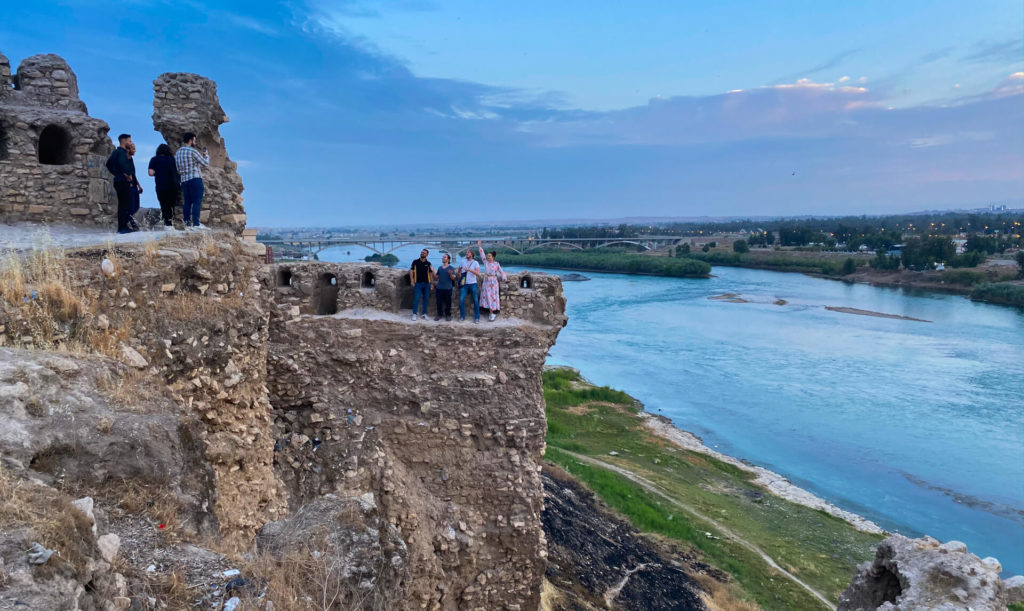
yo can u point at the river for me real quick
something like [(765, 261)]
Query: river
[(918, 426)]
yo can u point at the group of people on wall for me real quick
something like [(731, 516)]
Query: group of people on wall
[(181, 172), (470, 278)]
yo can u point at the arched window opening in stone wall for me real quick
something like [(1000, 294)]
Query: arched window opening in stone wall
[(368, 281), (326, 295), (526, 282), (284, 277), (54, 146)]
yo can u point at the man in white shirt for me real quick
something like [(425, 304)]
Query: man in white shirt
[(470, 271)]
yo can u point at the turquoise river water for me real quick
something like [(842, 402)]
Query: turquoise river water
[(918, 426)]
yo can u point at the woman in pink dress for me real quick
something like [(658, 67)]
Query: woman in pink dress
[(489, 291)]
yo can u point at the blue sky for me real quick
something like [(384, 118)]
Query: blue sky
[(348, 113)]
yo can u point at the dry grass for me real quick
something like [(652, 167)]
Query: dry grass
[(152, 499), (55, 522), (306, 579), (720, 596)]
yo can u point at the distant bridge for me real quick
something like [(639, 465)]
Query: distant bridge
[(450, 243)]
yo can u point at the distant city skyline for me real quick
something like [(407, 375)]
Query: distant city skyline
[(414, 111)]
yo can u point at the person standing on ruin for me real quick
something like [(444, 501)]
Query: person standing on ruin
[(420, 273), (489, 294), (135, 190), (445, 281), (165, 174), (190, 163), (470, 271), (120, 165)]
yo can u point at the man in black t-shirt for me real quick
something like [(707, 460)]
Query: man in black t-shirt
[(419, 276)]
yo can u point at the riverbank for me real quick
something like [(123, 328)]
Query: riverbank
[(782, 546), (619, 263), (997, 284)]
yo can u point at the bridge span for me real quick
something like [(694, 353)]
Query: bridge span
[(452, 243)]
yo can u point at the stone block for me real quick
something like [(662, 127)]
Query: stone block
[(35, 209), (78, 211)]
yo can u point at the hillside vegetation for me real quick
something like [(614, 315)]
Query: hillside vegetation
[(709, 506)]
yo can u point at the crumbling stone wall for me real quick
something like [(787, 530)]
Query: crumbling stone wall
[(189, 319), (327, 288), (52, 153), (184, 102), (443, 422), (436, 429)]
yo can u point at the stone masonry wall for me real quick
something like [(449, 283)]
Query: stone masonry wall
[(326, 288), (438, 428), (189, 319), (52, 153), (185, 102), (443, 422)]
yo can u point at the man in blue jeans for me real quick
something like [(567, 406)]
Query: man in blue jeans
[(190, 164), (470, 270), (419, 277)]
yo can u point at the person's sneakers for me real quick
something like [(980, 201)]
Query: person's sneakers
[(201, 227), (437, 318), (491, 317), (448, 318), (462, 319), (423, 316), (124, 231), (414, 315), (476, 320)]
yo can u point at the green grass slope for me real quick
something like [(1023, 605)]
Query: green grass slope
[(703, 503)]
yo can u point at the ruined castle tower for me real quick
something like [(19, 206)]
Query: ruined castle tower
[(184, 102), (52, 153)]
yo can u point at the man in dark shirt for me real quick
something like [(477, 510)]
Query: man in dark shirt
[(124, 180), (419, 276)]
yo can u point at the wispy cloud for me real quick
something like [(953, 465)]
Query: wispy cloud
[(1007, 51), (828, 64)]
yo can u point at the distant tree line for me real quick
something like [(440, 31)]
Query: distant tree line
[(611, 261)]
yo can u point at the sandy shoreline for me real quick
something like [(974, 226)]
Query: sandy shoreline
[(769, 480)]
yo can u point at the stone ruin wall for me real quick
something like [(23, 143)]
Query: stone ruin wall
[(185, 102), (327, 288), (189, 320), (52, 153), (435, 431), (443, 421)]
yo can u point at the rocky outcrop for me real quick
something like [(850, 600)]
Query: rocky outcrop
[(184, 102), (926, 574), (52, 153)]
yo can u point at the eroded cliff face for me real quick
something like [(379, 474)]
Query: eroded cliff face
[(402, 456)]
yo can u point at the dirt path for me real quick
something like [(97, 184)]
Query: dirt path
[(653, 489)]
